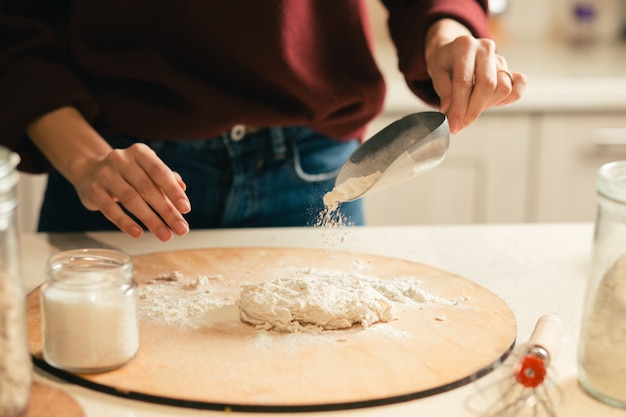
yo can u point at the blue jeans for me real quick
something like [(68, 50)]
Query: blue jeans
[(269, 178)]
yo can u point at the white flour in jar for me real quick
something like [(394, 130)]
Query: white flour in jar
[(15, 364), (88, 331), (604, 352)]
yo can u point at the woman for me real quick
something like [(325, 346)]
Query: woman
[(242, 110)]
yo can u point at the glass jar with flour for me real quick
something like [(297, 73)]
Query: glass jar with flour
[(89, 311), (602, 347), (15, 363)]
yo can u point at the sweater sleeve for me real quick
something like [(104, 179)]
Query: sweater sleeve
[(409, 21), (33, 77)]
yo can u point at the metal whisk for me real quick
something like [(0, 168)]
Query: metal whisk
[(527, 387)]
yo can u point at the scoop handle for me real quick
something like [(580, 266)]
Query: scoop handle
[(547, 333)]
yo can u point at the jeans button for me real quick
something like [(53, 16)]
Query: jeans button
[(237, 132)]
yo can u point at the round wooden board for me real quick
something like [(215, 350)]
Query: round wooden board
[(227, 364), (47, 401)]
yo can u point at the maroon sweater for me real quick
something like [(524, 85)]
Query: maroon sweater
[(188, 69)]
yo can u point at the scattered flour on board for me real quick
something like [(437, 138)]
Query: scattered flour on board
[(267, 341), (314, 299), (175, 299), (300, 300)]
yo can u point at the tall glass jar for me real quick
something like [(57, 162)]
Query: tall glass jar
[(602, 347), (15, 364), (89, 311)]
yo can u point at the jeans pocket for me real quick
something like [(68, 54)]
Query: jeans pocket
[(318, 158)]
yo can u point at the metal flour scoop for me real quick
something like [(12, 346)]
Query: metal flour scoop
[(411, 146)]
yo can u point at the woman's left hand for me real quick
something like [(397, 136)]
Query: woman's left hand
[(468, 74)]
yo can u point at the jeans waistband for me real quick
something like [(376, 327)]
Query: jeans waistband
[(237, 141), (245, 138)]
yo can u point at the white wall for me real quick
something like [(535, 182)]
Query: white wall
[(533, 20), (31, 192), (554, 19)]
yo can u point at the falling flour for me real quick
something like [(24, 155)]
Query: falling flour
[(603, 357), (349, 190), (331, 221)]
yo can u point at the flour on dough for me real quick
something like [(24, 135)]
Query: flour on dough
[(300, 304), (311, 299)]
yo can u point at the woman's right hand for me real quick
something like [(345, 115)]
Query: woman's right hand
[(140, 182), (107, 179)]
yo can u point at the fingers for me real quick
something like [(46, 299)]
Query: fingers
[(518, 82), (488, 86), (157, 184), (468, 85), (95, 198), (180, 181), (470, 77), (138, 180)]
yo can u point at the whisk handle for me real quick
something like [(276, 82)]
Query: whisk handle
[(546, 334)]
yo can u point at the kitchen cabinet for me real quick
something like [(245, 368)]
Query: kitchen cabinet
[(567, 152), (510, 167), (532, 161), (483, 178)]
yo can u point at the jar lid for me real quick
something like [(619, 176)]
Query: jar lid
[(8, 179), (90, 268), (611, 181), (8, 161)]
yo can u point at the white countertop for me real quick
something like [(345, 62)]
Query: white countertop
[(561, 78), (534, 268)]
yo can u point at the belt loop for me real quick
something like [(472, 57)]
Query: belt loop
[(278, 142)]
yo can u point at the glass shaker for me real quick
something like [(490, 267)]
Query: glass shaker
[(15, 363), (89, 311), (602, 346)]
